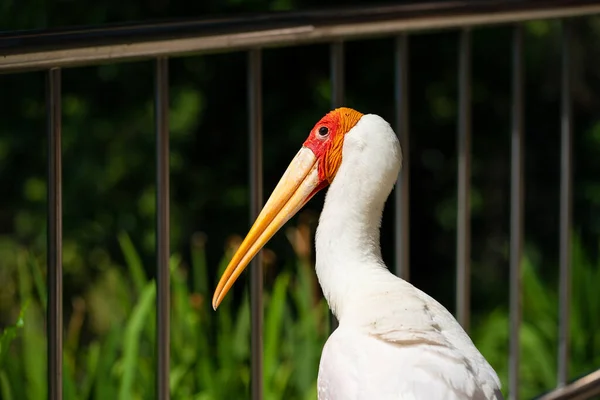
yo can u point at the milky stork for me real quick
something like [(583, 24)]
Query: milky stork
[(393, 340)]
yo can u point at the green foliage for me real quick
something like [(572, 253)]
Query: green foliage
[(539, 329), (9, 334), (210, 350)]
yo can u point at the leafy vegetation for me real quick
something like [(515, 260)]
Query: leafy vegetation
[(539, 330), (120, 361), (210, 351)]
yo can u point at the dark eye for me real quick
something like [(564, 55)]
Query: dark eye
[(323, 131)]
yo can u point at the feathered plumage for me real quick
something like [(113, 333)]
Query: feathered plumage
[(393, 341)]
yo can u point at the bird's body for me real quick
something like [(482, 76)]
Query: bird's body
[(356, 365), (393, 341)]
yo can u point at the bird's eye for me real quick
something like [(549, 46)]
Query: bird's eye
[(323, 131)]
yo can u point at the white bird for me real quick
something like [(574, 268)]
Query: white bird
[(393, 340)]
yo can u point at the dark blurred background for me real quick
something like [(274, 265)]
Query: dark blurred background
[(109, 203)]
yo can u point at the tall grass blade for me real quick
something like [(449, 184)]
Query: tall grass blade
[(131, 340), (105, 386), (133, 261), (69, 388), (273, 328), (34, 366), (11, 332), (5, 386), (38, 280), (92, 360)]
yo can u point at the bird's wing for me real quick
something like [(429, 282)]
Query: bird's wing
[(355, 366), (417, 335), (404, 319), (406, 315)]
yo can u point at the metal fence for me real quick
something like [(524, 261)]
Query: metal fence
[(54, 50)]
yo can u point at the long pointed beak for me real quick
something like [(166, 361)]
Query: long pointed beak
[(296, 187)]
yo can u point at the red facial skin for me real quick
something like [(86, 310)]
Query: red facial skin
[(327, 146), (321, 144)]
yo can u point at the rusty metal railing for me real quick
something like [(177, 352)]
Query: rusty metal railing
[(54, 50), (516, 209)]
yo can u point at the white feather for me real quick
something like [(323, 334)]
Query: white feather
[(393, 341)]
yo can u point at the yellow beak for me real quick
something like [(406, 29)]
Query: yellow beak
[(295, 188)]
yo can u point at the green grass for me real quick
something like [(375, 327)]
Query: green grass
[(119, 360), (539, 329), (210, 351)]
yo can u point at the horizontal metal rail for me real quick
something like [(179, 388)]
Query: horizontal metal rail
[(583, 388), (76, 47)]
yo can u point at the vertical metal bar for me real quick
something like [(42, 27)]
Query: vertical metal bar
[(162, 224), (463, 237), (337, 74), (337, 100), (256, 203), (565, 209), (516, 212), (401, 199), (54, 252)]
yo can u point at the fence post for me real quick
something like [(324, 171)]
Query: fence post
[(162, 225), (55, 282), (516, 212), (463, 228), (402, 197), (256, 203)]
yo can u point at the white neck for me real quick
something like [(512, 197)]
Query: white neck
[(348, 251), (347, 247)]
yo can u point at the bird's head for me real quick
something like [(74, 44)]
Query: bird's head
[(314, 167)]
